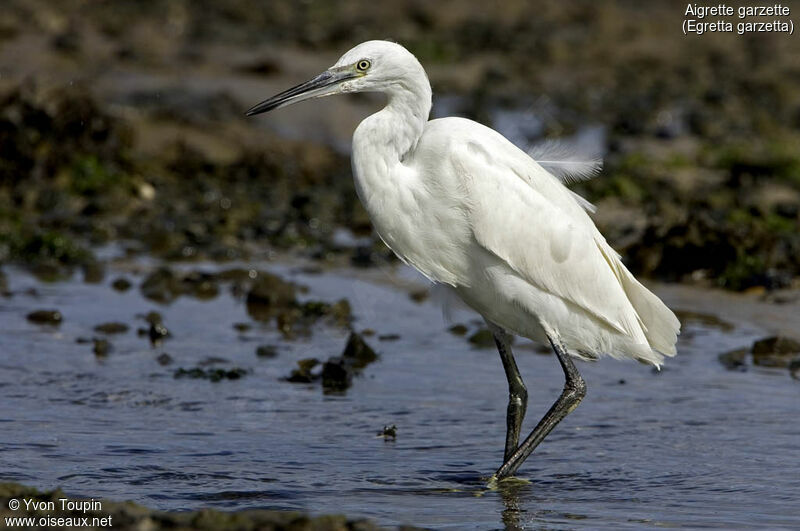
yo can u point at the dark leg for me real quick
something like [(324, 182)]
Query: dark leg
[(571, 396), (517, 393)]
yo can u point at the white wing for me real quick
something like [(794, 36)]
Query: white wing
[(526, 217)]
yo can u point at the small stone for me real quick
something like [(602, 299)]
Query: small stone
[(794, 368), (157, 333), (389, 433), (111, 328), (303, 374), (214, 375), (50, 317), (458, 330), (419, 296), (268, 294), (93, 272), (735, 359), (121, 284), (776, 351), (152, 317), (389, 337), (242, 327), (164, 359), (483, 338), (212, 360), (336, 376), (266, 351), (101, 347), (358, 352)]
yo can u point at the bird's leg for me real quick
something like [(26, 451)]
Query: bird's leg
[(517, 393), (571, 396)]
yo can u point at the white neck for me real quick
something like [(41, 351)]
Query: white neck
[(385, 138)]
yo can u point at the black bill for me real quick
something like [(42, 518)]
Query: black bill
[(322, 85)]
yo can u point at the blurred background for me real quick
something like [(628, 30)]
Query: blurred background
[(180, 283), (123, 121)]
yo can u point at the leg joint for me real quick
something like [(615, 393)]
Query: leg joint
[(519, 392), (575, 387)]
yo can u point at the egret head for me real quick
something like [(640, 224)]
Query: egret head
[(372, 66)]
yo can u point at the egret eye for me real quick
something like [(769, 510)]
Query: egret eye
[(363, 65)]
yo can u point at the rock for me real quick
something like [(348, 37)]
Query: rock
[(50, 317), (358, 352), (130, 516), (389, 433), (93, 272), (121, 284), (794, 368), (152, 317), (271, 291), (458, 330), (735, 359), (111, 328), (101, 347), (213, 375), (212, 360), (160, 286), (303, 372), (419, 296), (242, 327), (483, 338), (164, 359), (388, 337), (157, 333), (336, 375), (776, 351), (164, 285), (266, 351)]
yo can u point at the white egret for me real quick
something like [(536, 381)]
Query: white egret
[(472, 212)]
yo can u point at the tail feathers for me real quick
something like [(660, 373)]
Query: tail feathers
[(661, 327)]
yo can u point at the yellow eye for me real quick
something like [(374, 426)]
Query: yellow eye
[(363, 65)]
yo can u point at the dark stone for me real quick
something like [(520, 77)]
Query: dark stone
[(266, 351), (50, 317), (157, 333), (419, 296), (111, 328), (93, 272), (336, 375), (776, 351), (483, 338), (303, 373), (121, 284), (389, 433), (794, 368), (164, 359), (242, 327), (272, 291), (214, 375), (458, 330), (160, 286), (101, 347), (735, 359), (358, 352)]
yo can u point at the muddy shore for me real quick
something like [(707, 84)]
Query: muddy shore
[(46, 510)]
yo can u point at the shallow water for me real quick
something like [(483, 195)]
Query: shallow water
[(694, 445)]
